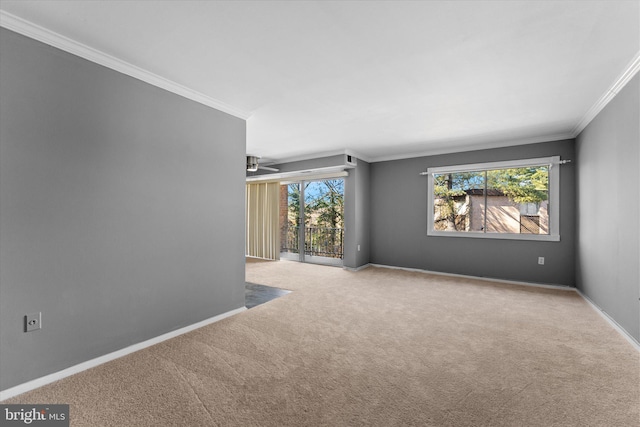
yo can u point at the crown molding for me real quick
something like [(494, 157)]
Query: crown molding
[(476, 146), (34, 31), (31, 30), (629, 72), (465, 147)]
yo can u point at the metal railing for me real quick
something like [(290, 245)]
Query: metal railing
[(318, 241), (289, 239)]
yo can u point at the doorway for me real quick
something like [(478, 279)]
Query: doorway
[(312, 221)]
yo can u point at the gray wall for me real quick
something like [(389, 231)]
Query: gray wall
[(357, 216), (608, 250), (120, 210), (399, 222)]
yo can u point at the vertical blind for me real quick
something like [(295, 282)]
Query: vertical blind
[(263, 232)]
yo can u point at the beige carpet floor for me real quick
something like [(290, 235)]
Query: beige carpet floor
[(377, 347)]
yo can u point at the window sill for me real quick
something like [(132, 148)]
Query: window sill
[(500, 236)]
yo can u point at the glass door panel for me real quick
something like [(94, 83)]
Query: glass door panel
[(312, 221), (290, 221)]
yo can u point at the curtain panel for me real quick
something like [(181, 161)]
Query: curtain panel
[(263, 231)]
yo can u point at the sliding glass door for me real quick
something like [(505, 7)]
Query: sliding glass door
[(290, 220), (312, 221)]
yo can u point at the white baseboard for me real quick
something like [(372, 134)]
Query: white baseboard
[(487, 279), (362, 267), (611, 321), (261, 258), (600, 311), (47, 379)]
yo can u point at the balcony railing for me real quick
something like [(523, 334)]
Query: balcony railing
[(318, 241)]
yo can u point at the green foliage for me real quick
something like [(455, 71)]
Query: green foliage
[(294, 205), (327, 204), (521, 185), (323, 216), (324, 203), (448, 187), (454, 184)]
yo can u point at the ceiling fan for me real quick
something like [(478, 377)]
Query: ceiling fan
[(253, 165)]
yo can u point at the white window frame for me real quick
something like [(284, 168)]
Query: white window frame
[(554, 198)]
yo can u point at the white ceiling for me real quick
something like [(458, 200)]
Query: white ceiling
[(381, 80)]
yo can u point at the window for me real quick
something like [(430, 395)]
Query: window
[(502, 200)]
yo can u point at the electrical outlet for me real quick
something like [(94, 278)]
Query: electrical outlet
[(32, 322), (358, 248), (541, 260)]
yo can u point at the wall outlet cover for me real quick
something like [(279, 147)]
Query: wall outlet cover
[(32, 322)]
